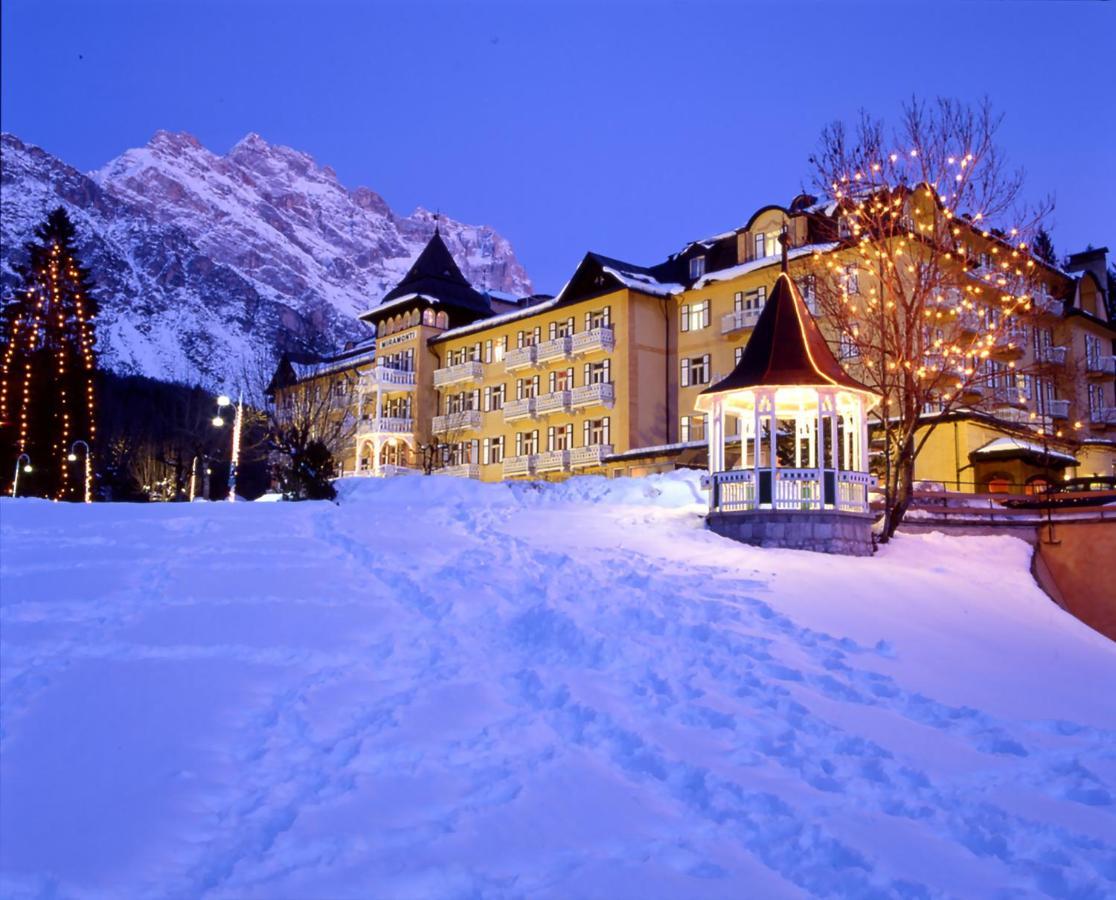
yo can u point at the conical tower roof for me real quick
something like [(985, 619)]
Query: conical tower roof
[(436, 276), (786, 348)]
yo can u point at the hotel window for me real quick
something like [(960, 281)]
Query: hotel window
[(559, 438), (492, 450), (807, 286), (848, 348), (526, 388), (737, 355), (598, 318), (488, 351), (695, 316), (598, 372), (499, 348), (340, 387), (494, 398), (697, 267), (526, 443), (1092, 351), (695, 370), (852, 280), (562, 329), (760, 245), (596, 432), (475, 352), (1096, 401), (529, 338), (693, 428), (561, 381)]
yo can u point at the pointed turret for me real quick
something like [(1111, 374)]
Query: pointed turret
[(436, 277), (786, 348)]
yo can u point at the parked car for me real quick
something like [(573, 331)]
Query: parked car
[(1095, 490)]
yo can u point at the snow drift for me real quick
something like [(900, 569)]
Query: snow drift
[(439, 688)]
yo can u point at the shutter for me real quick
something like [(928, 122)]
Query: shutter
[(473, 451), (553, 381), (588, 374), (486, 451), (607, 371), (707, 374), (607, 320), (519, 339), (553, 330), (586, 435), (487, 399), (685, 373), (519, 443), (607, 431), (588, 321), (550, 438), (569, 435), (519, 389), (685, 317), (476, 399)]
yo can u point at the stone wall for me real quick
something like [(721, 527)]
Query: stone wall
[(823, 532)]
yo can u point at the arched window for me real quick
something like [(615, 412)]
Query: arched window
[(1038, 484), (428, 316), (442, 320), (999, 484)]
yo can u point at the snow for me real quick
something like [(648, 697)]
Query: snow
[(762, 263), (440, 688), (1014, 445)]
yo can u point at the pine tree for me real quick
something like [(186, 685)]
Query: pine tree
[(47, 366), (1043, 247)]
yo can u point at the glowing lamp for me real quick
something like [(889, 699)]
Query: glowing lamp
[(72, 457), (218, 421), (224, 400), (27, 467)]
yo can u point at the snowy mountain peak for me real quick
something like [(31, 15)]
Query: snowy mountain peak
[(203, 259)]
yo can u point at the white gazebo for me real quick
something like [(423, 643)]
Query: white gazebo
[(801, 479)]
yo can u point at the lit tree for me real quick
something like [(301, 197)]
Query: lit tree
[(934, 275), (48, 364)]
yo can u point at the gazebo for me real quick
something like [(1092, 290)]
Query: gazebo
[(801, 479)]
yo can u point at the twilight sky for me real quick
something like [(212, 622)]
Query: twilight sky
[(626, 128)]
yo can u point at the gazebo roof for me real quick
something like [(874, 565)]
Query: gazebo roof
[(786, 348)]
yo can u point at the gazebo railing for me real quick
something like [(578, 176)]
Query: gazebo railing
[(791, 490)]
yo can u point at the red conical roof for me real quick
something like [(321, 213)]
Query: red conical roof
[(786, 348)]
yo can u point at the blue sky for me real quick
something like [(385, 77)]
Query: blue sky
[(624, 128)]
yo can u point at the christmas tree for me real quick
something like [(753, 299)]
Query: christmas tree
[(47, 367)]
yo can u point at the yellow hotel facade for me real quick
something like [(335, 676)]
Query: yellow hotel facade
[(603, 378)]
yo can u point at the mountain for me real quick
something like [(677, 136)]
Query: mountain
[(204, 262)]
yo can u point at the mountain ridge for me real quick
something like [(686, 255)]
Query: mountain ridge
[(206, 261)]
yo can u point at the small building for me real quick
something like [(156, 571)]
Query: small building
[(801, 477)]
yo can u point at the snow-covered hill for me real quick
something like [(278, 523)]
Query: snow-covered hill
[(204, 259), (447, 689)]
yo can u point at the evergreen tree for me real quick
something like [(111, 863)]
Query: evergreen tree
[(1044, 247), (47, 366)]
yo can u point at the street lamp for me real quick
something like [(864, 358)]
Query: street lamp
[(238, 420), (20, 466), (72, 457)]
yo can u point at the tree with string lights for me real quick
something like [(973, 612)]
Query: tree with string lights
[(934, 276), (47, 368)]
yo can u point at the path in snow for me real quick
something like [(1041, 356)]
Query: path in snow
[(441, 688)]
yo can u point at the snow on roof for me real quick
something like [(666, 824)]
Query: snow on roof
[(398, 301), (638, 281), (1009, 445), (481, 324), (756, 264), (364, 352)]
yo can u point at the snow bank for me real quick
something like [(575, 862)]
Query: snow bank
[(439, 688)]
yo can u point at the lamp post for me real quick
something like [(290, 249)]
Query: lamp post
[(72, 457), (23, 464), (238, 421)]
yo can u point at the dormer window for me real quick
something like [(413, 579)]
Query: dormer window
[(697, 267), (761, 245)]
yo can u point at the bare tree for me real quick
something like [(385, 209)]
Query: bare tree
[(933, 276)]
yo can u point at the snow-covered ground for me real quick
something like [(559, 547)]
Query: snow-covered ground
[(445, 689)]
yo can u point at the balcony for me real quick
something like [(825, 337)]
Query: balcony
[(588, 457), (385, 471), (1047, 305), (559, 348), (1058, 409), (1008, 397), (520, 358), (739, 319), (518, 465), (1050, 356), (1099, 366), (466, 420), (596, 340), (1008, 342), (386, 378), (553, 461), (462, 372), (593, 395), (557, 401), (519, 409), (971, 321), (386, 425), (1103, 415), (463, 470)]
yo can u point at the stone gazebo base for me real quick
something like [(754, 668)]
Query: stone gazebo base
[(821, 531)]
